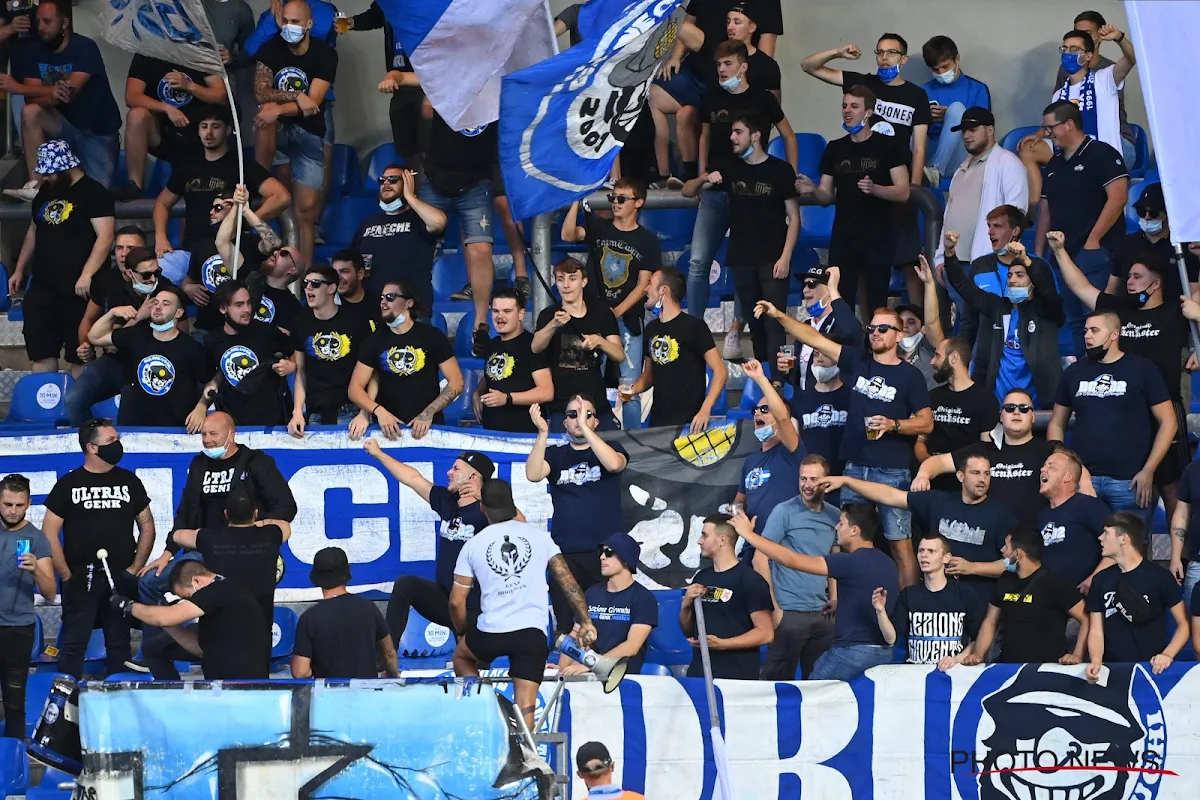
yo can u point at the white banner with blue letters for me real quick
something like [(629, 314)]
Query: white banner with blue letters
[(176, 31)]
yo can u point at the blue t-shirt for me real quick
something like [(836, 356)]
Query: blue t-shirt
[(586, 497), (1070, 536), (802, 530), (934, 625), (459, 524), (1189, 492), (730, 616), (1014, 369), (614, 612), (1109, 399), (896, 391), (964, 89), (1156, 587), (858, 575), (770, 477), (823, 417), (17, 585), (93, 108), (976, 530)]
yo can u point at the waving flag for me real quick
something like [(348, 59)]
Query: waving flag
[(461, 48), (566, 118), (176, 31)]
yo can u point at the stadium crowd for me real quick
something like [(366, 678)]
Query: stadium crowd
[(901, 502)]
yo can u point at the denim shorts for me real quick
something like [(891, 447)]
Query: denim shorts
[(897, 522), (685, 87), (473, 208), (97, 152), (304, 151)]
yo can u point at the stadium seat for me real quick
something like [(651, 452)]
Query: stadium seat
[(1141, 145), (721, 407), (48, 789), (462, 335), (381, 156), (811, 146), (37, 399), (423, 639), (160, 173), (118, 677), (5, 300), (439, 322), (752, 396), (346, 179), (816, 226), (107, 409), (668, 645), (14, 767), (449, 275), (283, 634), (656, 669), (462, 409), (1014, 137), (673, 225), (36, 692), (340, 221), (96, 652)]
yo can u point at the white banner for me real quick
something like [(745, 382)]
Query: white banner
[(1163, 34), (176, 31)]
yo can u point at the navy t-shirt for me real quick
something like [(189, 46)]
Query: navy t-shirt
[(92, 108), (976, 531), (896, 391), (858, 575), (459, 524), (1124, 641), (1189, 492), (769, 478), (1016, 481), (586, 497), (614, 613), (1075, 191), (728, 617), (823, 417), (1070, 536), (1111, 398), (934, 625)]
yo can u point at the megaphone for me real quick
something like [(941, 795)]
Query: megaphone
[(610, 671)]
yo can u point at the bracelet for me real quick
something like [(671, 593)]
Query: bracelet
[(895, 426), (373, 410), (508, 397)]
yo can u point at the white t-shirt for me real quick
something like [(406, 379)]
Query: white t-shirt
[(508, 561), (1108, 105)]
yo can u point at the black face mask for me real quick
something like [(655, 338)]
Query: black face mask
[(111, 453), (1141, 297), (237, 326), (1097, 353)]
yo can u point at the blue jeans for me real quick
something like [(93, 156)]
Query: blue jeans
[(100, 380), (473, 207), (98, 152), (305, 151), (1191, 577), (152, 588), (897, 522), (631, 370), (1095, 265), (712, 223), (949, 150), (1117, 495), (849, 661)]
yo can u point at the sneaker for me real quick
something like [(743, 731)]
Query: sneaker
[(522, 287), (731, 350), (479, 340), (126, 192), (26, 193), (464, 293), (934, 176), (667, 182), (133, 665)]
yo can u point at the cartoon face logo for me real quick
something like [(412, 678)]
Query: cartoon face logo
[(56, 212), (500, 366), (156, 375), (173, 95), (509, 559), (237, 362), (403, 361), (213, 273), (614, 267), (331, 346), (757, 478), (265, 311), (291, 79), (663, 349)]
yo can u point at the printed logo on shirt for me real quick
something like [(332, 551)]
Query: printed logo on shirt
[(1053, 534), (97, 498), (291, 79), (875, 388), (1017, 597), (757, 478), (403, 361), (219, 482), (237, 362), (509, 559), (614, 267), (664, 349), (1114, 606), (172, 95), (53, 73), (499, 366), (934, 635), (474, 131), (1010, 471), (896, 113), (385, 230), (883, 128), (213, 273), (578, 475), (1103, 386), (56, 212), (156, 374), (455, 530), (331, 346), (957, 531), (266, 310), (1144, 331), (950, 415), (826, 416), (755, 189), (610, 613)]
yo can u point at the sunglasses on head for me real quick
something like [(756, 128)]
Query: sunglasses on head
[(392, 297), (1011, 408), (573, 413), (316, 283), (883, 328), (607, 552), (620, 199), (392, 179)]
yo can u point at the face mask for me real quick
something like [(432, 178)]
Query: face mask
[(111, 453), (853, 129), (888, 74), (764, 433), (165, 326), (1141, 297), (825, 374), (237, 326), (214, 453), (1017, 294), (576, 438), (1150, 226), (657, 308), (731, 83), (749, 152), (393, 206), (816, 309), (946, 77), (910, 342), (1073, 62), (142, 288), (292, 34), (397, 322), (1097, 353), (1003, 251), (1010, 564)]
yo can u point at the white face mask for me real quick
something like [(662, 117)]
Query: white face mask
[(825, 374), (946, 77), (910, 342)]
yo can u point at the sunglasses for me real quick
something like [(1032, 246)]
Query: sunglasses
[(763, 409), (316, 283), (1146, 212), (607, 552), (884, 328), (620, 199), (392, 297), (147, 276), (392, 179), (1012, 408), (573, 413), (220, 205), (811, 284)]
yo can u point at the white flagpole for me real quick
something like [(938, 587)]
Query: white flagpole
[(241, 158)]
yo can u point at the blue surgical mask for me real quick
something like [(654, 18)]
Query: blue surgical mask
[(855, 128), (816, 309), (1017, 294), (1003, 251), (292, 34), (165, 326), (398, 321), (657, 308), (888, 74), (1010, 564), (147, 288), (1073, 62), (393, 206), (764, 433), (946, 77), (1150, 226), (731, 83), (749, 152), (215, 453)]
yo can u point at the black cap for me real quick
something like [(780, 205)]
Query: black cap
[(1151, 199), (744, 10), (973, 117), (818, 273), (590, 752), (478, 462), (916, 311), (330, 568)]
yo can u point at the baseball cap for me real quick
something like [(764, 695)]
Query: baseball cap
[(1151, 199), (916, 311), (744, 10), (590, 752), (626, 548), (330, 568), (973, 117), (478, 462), (818, 273)]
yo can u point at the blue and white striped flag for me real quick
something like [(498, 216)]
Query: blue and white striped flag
[(176, 31), (566, 118), (460, 49)]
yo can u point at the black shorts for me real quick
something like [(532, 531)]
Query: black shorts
[(907, 237), (175, 144), (52, 324), (1177, 457), (527, 650)]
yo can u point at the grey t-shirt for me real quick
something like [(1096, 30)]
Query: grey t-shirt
[(811, 533), (17, 585)]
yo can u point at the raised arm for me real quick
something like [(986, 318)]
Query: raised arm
[(536, 468), (933, 316), (789, 437), (1076, 281), (813, 565), (572, 231), (875, 492), (815, 64), (1124, 64), (606, 454), (399, 470), (805, 334)]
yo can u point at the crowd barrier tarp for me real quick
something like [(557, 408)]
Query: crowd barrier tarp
[(347, 499), (1004, 732)]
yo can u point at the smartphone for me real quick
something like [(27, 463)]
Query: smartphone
[(23, 546)]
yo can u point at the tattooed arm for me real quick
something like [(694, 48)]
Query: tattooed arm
[(566, 581), (268, 239), (387, 654), (263, 92), (454, 386), (1179, 526), (145, 542)]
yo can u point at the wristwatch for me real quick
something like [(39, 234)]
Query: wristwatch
[(508, 398), (895, 426)]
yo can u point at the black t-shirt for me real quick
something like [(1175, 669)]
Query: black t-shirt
[(586, 498), (1070, 536), (896, 391), (728, 617), (758, 222), (719, 108), (153, 72), (710, 17), (934, 625), (1108, 398), (162, 379), (459, 524), (278, 307), (676, 351), (1033, 616), (266, 400), (508, 367), (823, 417), (234, 637), (295, 73), (340, 635), (1016, 477), (110, 290), (858, 215), (458, 160), (1111, 594), (897, 108), (367, 309), (249, 555), (976, 531), (1189, 492), (330, 349), (1135, 247), (397, 247), (98, 510), (215, 484), (763, 72), (1075, 191), (408, 368), (207, 267), (198, 181), (616, 260), (614, 613), (1156, 334), (959, 419), (575, 370), (62, 218)]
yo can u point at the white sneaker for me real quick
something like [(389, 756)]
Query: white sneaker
[(25, 193), (732, 349)]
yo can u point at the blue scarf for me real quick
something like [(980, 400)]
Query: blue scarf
[(1087, 102)]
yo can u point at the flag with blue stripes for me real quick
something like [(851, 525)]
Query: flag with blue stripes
[(460, 49), (564, 120), (175, 31)]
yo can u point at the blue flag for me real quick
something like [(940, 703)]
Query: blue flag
[(563, 121)]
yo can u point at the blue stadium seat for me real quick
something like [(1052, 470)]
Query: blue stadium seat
[(1014, 137), (118, 677), (14, 767), (107, 409), (38, 399), (752, 396), (96, 652), (462, 409), (5, 300), (811, 146), (668, 645), (449, 275), (36, 692), (423, 639), (346, 179), (1141, 145), (656, 669), (283, 627), (340, 221), (439, 322), (160, 173), (381, 156), (462, 335), (673, 225), (721, 407), (816, 226), (48, 788)]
